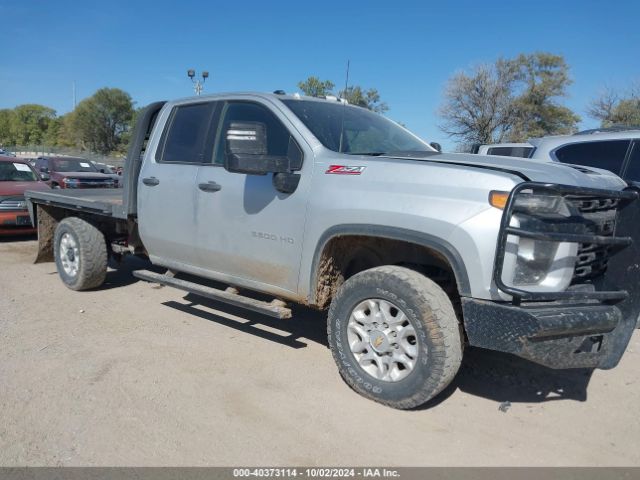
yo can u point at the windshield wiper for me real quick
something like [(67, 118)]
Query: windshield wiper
[(370, 154)]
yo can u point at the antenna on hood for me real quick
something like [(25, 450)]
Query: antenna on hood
[(344, 105)]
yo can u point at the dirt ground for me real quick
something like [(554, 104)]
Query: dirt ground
[(133, 374)]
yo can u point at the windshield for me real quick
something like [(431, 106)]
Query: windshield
[(16, 172), (365, 132), (72, 165)]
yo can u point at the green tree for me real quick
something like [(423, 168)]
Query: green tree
[(627, 112), (478, 106), (314, 87), (355, 95), (540, 79), (53, 133), (511, 99), (102, 121), (65, 134), (6, 133), (612, 108), (126, 136), (370, 98), (29, 124)]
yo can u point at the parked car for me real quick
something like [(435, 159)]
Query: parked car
[(16, 176), (71, 172), (614, 149), (5, 153), (412, 252), (108, 170)]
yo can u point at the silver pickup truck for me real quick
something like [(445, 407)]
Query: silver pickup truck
[(414, 253)]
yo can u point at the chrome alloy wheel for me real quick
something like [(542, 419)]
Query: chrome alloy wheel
[(69, 255), (382, 340)]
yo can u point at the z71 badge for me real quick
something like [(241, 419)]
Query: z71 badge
[(345, 170)]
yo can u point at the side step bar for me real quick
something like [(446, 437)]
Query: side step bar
[(273, 309)]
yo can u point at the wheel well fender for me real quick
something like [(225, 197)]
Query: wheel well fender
[(322, 284)]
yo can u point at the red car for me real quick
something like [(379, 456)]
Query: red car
[(72, 172), (16, 176)]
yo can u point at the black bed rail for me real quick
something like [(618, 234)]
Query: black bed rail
[(613, 242)]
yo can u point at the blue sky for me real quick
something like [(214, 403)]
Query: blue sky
[(407, 50)]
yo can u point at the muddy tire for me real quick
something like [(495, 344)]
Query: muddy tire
[(394, 336), (80, 253)]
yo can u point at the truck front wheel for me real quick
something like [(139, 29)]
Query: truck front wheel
[(394, 336), (80, 253)]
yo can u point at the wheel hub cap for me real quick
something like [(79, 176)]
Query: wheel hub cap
[(382, 340), (69, 255), (379, 341)]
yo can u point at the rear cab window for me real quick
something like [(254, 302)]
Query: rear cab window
[(606, 154)]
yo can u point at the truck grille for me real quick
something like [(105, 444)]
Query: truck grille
[(600, 214), (89, 183), (14, 203)]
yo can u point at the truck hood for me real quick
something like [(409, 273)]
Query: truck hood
[(548, 172), (8, 189)]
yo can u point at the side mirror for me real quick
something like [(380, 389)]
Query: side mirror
[(246, 150), (44, 170), (436, 145), (45, 176)]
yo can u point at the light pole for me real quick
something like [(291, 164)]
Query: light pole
[(197, 84)]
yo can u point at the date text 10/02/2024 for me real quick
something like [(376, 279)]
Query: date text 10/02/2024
[(316, 472)]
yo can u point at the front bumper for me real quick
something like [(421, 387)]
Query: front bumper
[(15, 222), (554, 335), (587, 326)]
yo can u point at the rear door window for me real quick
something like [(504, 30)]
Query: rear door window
[(188, 136), (609, 154)]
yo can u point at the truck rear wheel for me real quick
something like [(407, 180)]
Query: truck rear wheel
[(80, 253), (394, 336)]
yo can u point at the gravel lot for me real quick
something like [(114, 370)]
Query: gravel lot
[(133, 374)]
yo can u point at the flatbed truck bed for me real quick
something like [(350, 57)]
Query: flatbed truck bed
[(100, 201)]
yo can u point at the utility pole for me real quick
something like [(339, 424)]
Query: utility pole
[(198, 85)]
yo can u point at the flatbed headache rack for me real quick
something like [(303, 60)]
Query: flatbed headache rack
[(555, 234)]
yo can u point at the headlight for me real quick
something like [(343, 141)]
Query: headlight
[(541, 204), (70, 182), (538, 265), (534, 204), (534, 259)]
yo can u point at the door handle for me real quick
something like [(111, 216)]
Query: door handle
[(209, 186), (151, 181)]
